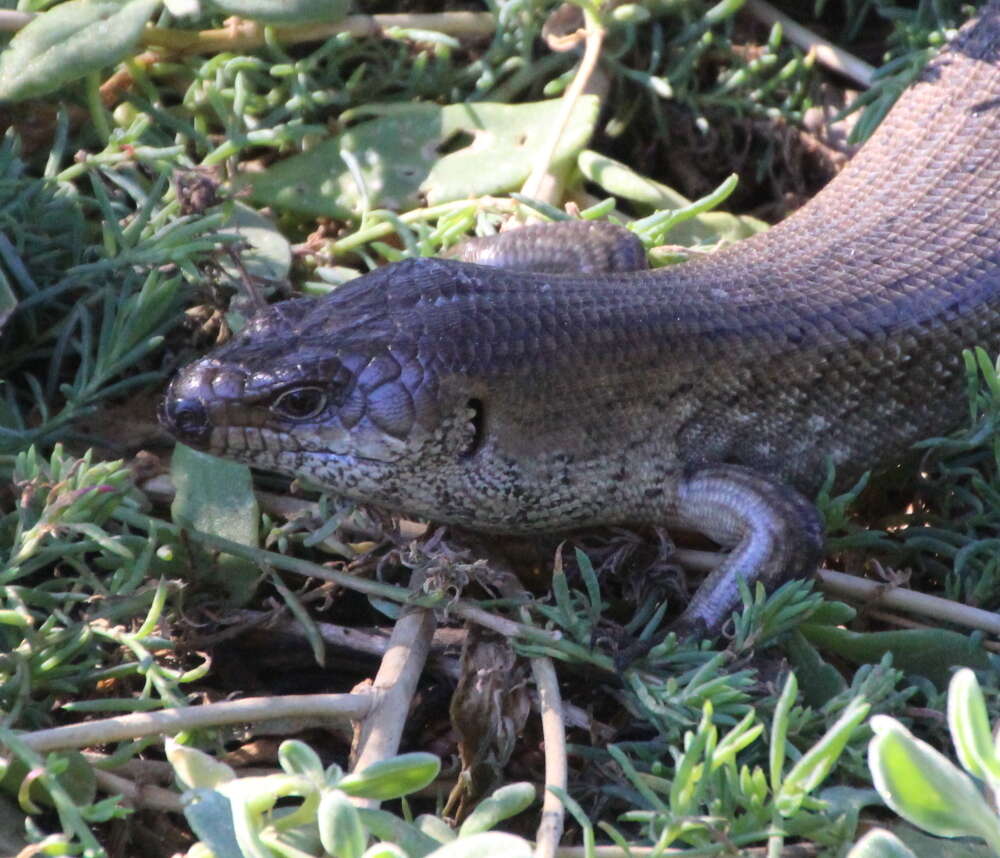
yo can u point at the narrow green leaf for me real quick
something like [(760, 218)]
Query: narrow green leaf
[(810, 771), (8, 301), (933, 653), (739, 737), (69, 41), (779, 730)]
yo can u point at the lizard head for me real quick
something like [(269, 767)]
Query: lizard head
[(337, 390)]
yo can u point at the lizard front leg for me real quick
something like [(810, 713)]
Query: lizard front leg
[(773, 533)]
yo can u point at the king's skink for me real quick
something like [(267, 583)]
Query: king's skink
[(707, 395)]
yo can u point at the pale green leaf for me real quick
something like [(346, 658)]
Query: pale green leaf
[(491, 844), (879, 843), (340, 828), (504, 803), (970, 727), (195, 769), (69, 41), (926, 788), (392, 778)]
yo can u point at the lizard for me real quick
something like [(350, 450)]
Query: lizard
[(708, 395)]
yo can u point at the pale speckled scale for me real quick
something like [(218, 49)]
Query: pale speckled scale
[(516, 402)]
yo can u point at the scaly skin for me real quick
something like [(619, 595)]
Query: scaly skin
[(703, 395)]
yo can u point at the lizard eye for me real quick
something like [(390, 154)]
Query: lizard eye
[(300, 403)]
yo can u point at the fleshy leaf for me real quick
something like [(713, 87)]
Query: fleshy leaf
[(340, 828), (414, 154), (491, 844), (195, 769), (394, 777), (879, 843), (925, 787), (209, 813), (285, 11), (69, 41), (216, 496), (504, 803), (268, 255), (933, 653), (970, 727)]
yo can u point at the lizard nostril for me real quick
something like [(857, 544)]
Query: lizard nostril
[(187, 420)]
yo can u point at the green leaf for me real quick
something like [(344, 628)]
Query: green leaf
[(926, 846), (813, 767), (268, 256), (739, 737), (393, 778), (196, 769), (385, 850), (8, 300), (69, 41), (297, 758), (285, 11), (622, 181), (11, 826), (779, 730), (395, 161), (71, 771), (925, 787), (216, 496), (340, 828), (879, 843), (210, 815), (504, 803), (933, 653), (698, 227), (491, 844), (821, 682), (435, 827), (389, 827), (970, 727), (833, 613)]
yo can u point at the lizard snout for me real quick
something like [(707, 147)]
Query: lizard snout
[(184, 414), (187, 420)]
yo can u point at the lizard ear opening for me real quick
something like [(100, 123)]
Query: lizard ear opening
[(477, 422)]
